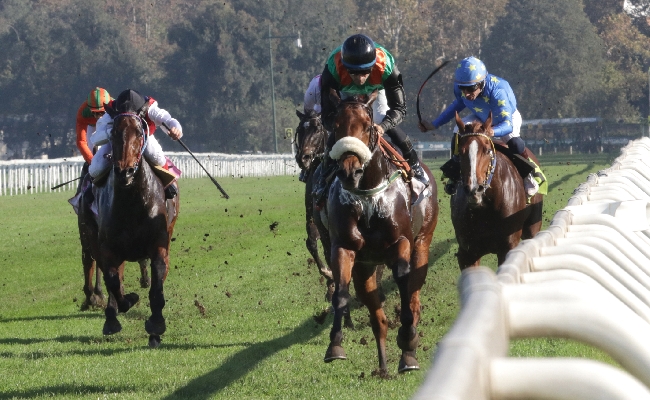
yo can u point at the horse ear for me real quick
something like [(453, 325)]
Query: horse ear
[(334, 97), (300, 115), (460, 124), (487, 125), (372, 98), (110, 110)]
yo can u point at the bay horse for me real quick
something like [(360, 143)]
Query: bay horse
[(134, 222), (371, 221), (489, 210), (309, 142)]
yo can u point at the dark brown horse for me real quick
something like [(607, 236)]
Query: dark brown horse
[(371, 221), (134, 223), (489, 211), (310, 145)]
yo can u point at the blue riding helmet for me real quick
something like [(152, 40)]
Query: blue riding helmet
[(358, 53), (470, 71)]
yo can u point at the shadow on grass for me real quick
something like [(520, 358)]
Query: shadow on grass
[(560, 182), (88, 315), (63, 390), (241, 363)]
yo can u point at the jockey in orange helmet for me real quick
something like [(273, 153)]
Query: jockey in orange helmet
[(87, 115)]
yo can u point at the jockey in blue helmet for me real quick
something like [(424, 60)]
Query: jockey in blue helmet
[(481, 93)]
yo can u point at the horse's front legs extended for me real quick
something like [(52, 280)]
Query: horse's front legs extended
[(365, 285), (407, 337), (117, 300), (145, 281), (155, 325), (342, 262)]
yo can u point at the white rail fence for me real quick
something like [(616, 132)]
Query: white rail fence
[(586, 278), (34, 176)]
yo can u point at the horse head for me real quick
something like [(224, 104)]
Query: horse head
[(309, 139), (356, 138), (128, 140), (477, 157)]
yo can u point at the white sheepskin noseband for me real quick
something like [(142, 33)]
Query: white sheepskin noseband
[(353, 145)]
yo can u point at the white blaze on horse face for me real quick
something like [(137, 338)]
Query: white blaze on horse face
[(473, 159)]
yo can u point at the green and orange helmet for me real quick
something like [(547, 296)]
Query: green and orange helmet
[(97, 98)]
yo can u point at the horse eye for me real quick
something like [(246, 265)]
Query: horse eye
[(306, 125)]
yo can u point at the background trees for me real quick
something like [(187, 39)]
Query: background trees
[(208, 61)]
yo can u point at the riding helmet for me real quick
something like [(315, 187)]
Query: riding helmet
[(470, 71), (97, 98), (358, 53), (129, 101)]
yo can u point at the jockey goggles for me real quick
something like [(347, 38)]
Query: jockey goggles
[(469, 88)]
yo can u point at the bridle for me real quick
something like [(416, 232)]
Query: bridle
[(374, 135), (301, 135), (145, 135), (489, 174)]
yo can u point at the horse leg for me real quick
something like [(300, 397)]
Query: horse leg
[(365, 285), (155, 325), (116, 299), (407, 338), (94, 295), (145, 281), (417, 276), (312, 246), (343, 260), (467, 259)]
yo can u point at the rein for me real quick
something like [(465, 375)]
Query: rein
[(145, 137), (493, 158)]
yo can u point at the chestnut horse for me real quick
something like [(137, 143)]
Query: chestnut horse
[(310, 145), (489, 211), (134, 223), (371, 221)]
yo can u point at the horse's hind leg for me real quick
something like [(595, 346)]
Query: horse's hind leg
[(145, 281), (93, 292), (155, 325), (365, 285)]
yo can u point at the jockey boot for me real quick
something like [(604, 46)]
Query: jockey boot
[(451, 170), (171, 190), (303, 175), (531, 185), (327, 167), (418, 171)]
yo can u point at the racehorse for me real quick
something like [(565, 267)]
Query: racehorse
[(134, 223), (310, 144), (372, 221), (489, 211)]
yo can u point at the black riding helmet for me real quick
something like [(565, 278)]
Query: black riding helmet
[(358, 53), (129, 101)]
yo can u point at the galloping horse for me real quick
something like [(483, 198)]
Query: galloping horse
[(134, 222), (489, 211), (310, 145), (371, 221)]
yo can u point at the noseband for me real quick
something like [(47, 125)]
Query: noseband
[(489, 174), (145, 136)]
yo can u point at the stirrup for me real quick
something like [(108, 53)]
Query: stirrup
[(170, 191), (419, 174)]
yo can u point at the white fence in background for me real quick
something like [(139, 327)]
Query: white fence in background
[(586, 278), (33, 176)]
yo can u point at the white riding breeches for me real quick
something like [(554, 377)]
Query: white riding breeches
[(153, 153), (379, 106), (516, 126)]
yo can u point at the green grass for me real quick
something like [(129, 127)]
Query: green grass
[(258, 337)]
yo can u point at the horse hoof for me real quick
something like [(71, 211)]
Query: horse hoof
[(97, 301), (111, 327), (155, 327), (335, 353), (154, 341), (129, 301), (408, 363)]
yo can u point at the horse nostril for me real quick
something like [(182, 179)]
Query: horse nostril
[(358, 171), (130, 172)]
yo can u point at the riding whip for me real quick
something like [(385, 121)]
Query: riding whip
[(223, 192), (64, 183), (417, 102)]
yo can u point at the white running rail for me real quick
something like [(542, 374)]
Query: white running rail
[(586, 278), (34, 176)]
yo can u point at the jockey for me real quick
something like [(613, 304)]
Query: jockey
[(311, 104), (87, 115), (359, 67), (481, 92), (130, 101)]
